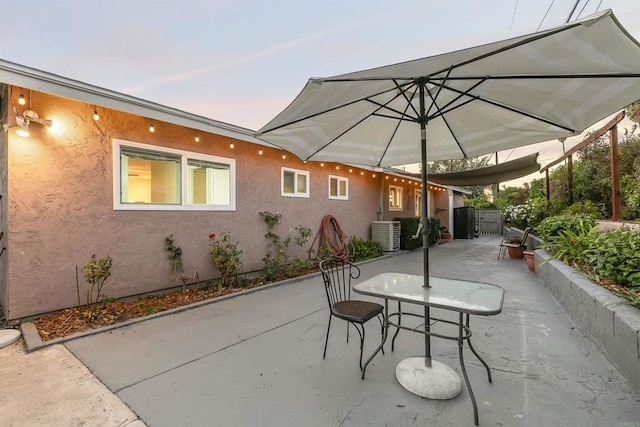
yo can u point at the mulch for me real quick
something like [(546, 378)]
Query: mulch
[(79, 319)]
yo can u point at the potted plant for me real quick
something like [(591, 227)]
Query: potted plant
[(444, 233)]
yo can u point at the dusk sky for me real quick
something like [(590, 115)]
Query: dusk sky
[(244, 61)]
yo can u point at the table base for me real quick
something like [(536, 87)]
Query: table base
[(438, 382)]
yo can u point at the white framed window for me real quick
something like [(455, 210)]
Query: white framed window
[(148, 177), (395, 198), (418, 201), (295, 183), (338, 187)]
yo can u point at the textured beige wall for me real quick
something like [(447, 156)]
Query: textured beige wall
[(60, 206), (4, 116)]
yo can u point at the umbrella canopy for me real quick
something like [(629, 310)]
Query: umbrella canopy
[(466, 103), (488, 98)]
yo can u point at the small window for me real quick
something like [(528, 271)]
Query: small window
[(338, 188), (395, 198), (295, 183)]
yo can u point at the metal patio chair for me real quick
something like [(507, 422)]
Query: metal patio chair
[(337, 276), (512, 242)]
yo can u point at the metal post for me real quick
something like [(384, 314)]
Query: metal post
[(615, 174), (426, 226)]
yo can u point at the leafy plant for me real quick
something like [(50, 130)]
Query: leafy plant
[(226, 257), (175, 254), (96, 272), (553, 225), (365, 249), (616, 256), (277, 261)]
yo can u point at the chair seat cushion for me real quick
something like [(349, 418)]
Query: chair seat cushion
[(357, 311)]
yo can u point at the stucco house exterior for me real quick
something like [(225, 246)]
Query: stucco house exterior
[(82, 185)]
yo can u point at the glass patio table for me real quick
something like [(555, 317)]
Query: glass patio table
[(422, 375)]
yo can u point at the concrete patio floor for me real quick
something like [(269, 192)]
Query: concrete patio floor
[(257, 359)]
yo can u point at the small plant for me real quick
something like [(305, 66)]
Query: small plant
[(96, 272), (175, 254), (277, 262), (226, 257)]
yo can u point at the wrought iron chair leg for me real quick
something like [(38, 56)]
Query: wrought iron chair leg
[(381, 329), (361, 346), (326, 340)]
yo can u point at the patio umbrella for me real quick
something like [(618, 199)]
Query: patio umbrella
[(510, 93)]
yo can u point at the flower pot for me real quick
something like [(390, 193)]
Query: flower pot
[(446, 236), (529, 257), (515, 252)]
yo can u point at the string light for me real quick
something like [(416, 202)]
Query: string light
[(231, 145), (96, 116), (197, 138), (362, 173), (284, 156), (260, 152), (151, 128), (321, 165), (21, 99), (350, 170), (337, 168)]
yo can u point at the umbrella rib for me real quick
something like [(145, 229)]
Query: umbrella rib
[(332, 140), (499, 105), (444, 119), (384, 153), (337, 107)]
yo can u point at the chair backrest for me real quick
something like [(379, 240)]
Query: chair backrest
[(337, 275), (525, 236)]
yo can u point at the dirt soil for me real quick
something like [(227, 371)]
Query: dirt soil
[(78, 319)]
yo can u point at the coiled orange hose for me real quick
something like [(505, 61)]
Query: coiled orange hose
[(333, 238)]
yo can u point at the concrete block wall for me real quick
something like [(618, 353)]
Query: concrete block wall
[(610, 322)]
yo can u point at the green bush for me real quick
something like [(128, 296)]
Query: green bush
[(553, 225), (587, 208), (408, 227), (365, 249), (616, 256)]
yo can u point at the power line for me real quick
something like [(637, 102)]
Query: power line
[(573, 9), (545, 15), (582, 10), (513, 17)]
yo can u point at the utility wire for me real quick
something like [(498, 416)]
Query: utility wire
[(573, 9), (545, 15), (513, 17), (582, 10)]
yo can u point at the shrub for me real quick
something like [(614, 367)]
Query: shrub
[(226, 257), (553, 225), (529, 214), (96, 272), (616, 256), (587, 208), (277, 262), (365, 249), (408, 227)]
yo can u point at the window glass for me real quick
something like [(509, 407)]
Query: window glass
[(295, 183), (208, 183), (395, 198), (149, 177), (338, 187)]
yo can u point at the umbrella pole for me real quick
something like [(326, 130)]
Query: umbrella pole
[(426, 226)]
